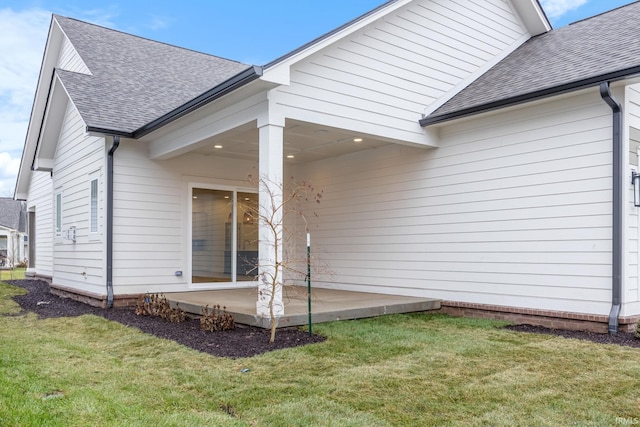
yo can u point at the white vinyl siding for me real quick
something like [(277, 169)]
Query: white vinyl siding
[(41, 201), (632, 106), (150, 214), (70, 60), (631, 296), (79, 264), (513, 209), (381, 79)]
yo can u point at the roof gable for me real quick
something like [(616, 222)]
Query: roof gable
[(127, 85), (582, 54), (381, 78), (12, 214), (530, 13), (135, 80), (70, 60)]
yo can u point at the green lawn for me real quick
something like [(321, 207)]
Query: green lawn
[(401, 370), (15, 274)]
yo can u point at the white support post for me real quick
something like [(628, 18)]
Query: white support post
[(270, 232)]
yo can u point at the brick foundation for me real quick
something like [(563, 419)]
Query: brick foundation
[(95, 300), (546, 318)]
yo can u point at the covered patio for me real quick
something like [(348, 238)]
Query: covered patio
[(326, 305)]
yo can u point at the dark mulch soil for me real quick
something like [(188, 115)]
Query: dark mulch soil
[(243, 341), (621, 338)]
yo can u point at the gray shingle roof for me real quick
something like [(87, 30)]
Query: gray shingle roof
[(13, 214), (578, 55), (135, 80)]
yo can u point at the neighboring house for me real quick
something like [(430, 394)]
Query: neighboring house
[(13, 232), (466, 151)]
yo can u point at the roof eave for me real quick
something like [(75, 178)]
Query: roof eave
[(96, 130), (532, 96), (43, 86), (533, 16), (239, 80), (228, 86)]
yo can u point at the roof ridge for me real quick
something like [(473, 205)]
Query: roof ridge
[(601, 13), (329, 34), (55, 15)]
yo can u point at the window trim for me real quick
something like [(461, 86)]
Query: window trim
[(94, 216), (57, 224), (234, 190)]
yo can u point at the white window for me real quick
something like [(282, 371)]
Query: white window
[(93, 208), (58, 214)]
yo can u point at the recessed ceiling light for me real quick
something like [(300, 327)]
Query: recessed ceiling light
[(357, 139), (195, 197), (290, 156), (217, 146), (226, 197), (247, 199)]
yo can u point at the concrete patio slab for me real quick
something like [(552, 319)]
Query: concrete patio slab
[(326, 305)]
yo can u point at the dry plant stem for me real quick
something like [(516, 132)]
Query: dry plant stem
[(157, 306), (216, 319), (273, 226), (272, 215)]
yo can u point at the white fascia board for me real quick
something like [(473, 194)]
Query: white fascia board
[(49, 60), (43, 165), (214, 119), (51, 125), (532, 16), (631, 81), (84, 68), (279, 71)]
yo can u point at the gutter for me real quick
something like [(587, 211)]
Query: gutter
[(532, 96), (114, 147), (616, 253), (252, 73), (604, 82), (211, 95)]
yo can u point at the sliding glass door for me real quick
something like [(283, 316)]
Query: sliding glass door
[(247, 237), (224, 236)]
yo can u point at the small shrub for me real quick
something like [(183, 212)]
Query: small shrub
[(216, 319), (145, 305), (21, 264), (638, 330), (157, 306)]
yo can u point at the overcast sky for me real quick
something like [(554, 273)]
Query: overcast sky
[(250, 31)]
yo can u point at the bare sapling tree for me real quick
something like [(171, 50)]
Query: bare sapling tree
[(283, 225)]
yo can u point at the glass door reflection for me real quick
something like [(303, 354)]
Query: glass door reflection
[(247, 242), (211, 235)]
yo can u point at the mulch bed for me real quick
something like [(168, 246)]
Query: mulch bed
[(243, 341), (621, 338)]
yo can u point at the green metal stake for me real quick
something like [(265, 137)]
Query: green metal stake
[(309, 279)]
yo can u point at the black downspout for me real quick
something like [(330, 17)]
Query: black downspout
[(616, 240), (114, 147)]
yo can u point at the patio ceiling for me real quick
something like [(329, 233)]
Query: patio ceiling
[(306, 142)]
